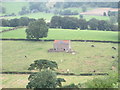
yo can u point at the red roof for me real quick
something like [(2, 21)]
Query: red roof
[(64, 41)]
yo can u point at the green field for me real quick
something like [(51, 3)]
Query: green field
[(20, 81), (14, 7), (4, 28), (85, 60), (67, 34)]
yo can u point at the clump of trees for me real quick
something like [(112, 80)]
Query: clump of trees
[(23, 21), (68, 12), (82, 24), (46, 77), (37, 29)]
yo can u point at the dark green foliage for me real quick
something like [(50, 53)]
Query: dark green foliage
[(93, 24), (37, 29), (104, 14), (43, 79), (81, 16), (69, 23), (71, 86), (14, 22), (56, 22), (23, 21), (106, 82), (83, 24), (43, 64), (58, 82), (5, 23)]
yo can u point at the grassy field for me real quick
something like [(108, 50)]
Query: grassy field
[(67, 34), (14, 7), (98, 58), (4, 28), (20, 81)]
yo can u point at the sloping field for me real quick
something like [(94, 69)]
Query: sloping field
[(67, 34), (86, 60), (14, 7), (98, 11), (5, 28)]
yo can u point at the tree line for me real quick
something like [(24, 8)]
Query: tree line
[(23, 21), (82, 24)]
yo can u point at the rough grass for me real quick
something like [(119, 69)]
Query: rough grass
[(68, 34), (86, 60), (20, 81)]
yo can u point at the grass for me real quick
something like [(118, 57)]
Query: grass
[(14, 7), (4, 28), (97, 58), (67, 34), (20, 81)]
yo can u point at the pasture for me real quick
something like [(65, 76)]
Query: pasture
[(20, 81), (67, 34), (86, 60)]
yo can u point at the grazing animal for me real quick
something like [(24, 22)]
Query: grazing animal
[(113, 57), (94, 71), (25, 56), (92, 46), (114, 48)]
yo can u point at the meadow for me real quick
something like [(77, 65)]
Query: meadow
[(86, 60), (20, 81), (67, 34)]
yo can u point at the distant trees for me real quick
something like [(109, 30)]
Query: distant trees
[(24, 10), (2, 10), (23, 21), (68, 12), (93, 24), (75, 23), (84, 9), (83, 24), (37, 29)]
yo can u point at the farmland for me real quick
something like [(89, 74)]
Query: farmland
[(4, 28), (98, 58), (67, 34), (12, 81)]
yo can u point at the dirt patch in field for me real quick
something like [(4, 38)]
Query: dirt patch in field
[(98, 11)]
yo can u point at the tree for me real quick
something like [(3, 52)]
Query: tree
[(56, 22), (83, 24), (104, 14), (93, 24), (37, 29), (84, 9), (81, 16), (23, 21), (102, 25), (44, 79), (14, 22), (5, 23), (43, 64)]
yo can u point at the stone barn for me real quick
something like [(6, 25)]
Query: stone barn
[(61, 46)]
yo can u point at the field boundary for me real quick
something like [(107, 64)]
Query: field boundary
[(53, 40), (65, 74), (11, 29)]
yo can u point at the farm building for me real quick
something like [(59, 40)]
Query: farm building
[(61, 46)]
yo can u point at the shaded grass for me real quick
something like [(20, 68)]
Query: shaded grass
[(86, 60), (68, 34), (20, 81)]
